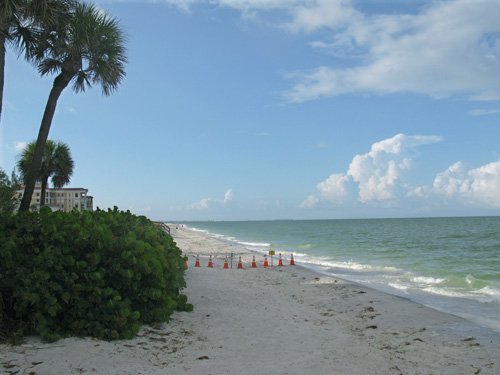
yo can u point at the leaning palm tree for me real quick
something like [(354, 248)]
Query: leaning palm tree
[(87, 50), (57, 164), (21, 21)]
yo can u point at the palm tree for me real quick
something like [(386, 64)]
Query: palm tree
[(21, 21), (88, 49), (57, 164)]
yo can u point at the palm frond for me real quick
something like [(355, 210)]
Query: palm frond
[(49, 66), (81, 81), (57, 162)]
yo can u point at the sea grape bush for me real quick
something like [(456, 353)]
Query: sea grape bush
[(99, 274)]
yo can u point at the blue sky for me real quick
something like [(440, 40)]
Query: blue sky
[(284, 109)]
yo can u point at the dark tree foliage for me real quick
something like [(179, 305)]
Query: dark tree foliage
[(8, 186), (99, 274)]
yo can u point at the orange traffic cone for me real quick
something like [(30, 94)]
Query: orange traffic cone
[(292, 261), (280, 261), (197, 263), (240, 265), (226, 264), (254, 265), (210, 263), (266, 263)]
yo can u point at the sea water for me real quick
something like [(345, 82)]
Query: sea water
[(450, 264)]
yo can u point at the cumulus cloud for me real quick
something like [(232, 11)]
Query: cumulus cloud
[(477, 186), (334, 188), (452, 181), (375, 176), (379, 176), (206, 203), (378, 172)]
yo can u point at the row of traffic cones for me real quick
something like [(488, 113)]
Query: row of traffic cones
[(240, 263)]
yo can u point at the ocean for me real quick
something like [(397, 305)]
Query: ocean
[(450, 264)]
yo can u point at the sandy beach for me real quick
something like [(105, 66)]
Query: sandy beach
[(279, 320)]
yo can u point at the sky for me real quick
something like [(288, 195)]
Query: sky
[(283, 109)]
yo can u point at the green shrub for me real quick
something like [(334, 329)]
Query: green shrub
[(99, 274)]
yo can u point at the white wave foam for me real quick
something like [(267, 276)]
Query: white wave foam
[(197, 230), (329, 263), (489, 291), (299, 255), (486, 294), (254, 244), (427, 280), (398, 286), (446, 292)]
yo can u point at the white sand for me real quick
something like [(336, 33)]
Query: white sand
[(281, 320)]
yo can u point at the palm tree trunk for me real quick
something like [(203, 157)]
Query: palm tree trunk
[(2, 70), (60, 83)]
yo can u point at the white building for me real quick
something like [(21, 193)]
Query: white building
[(64, 199)]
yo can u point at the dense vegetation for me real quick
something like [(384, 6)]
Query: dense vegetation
[(99, 274), (8, 187)]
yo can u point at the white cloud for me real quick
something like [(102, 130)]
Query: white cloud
[(206, 203), (448, 48), (452, 181), (334, 188), (228, 196), (312, 15), (202, 204), (377, 174), (485, 183), (310, 202), (20, 146), (380, 176), (475, 186), (442, 51)]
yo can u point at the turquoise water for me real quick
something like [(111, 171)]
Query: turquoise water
[(451, 264)]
